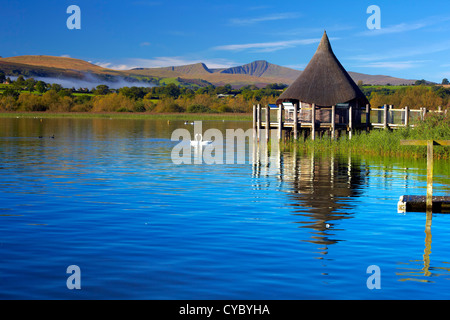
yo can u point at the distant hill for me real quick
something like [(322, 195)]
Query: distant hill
[(190, 69), (259, 73), (379, 79), (56, 62)]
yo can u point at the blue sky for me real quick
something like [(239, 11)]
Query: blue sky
[(413, 42)]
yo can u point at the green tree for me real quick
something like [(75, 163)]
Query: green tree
[(445, 81), (20, 81), (11, 92), (101, 89), (40, 87), (420, 82), (135, 93), (171, 90), (56, 86), (29, 84)]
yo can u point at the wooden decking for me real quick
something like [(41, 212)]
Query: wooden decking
[(303, 121)]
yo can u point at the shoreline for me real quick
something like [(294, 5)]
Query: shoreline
[(129, 115), (376, 143)]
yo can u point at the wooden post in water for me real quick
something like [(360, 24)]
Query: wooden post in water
[(333, 122), (313, 121), (267, 123), (295, 121), (429, 174), (429, 144)]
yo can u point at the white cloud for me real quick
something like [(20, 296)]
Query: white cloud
[(158, 62), (397, 65), (144, 44), (417, 50), (405, 27), (113, 66), (272, 17), (300, 66), (398, 28), (267, 46)]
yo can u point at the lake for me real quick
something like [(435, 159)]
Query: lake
[(105, 195)]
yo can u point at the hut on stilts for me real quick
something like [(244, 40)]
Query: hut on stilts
[(324, 98)]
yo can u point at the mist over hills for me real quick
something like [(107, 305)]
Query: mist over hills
[(259, 73)]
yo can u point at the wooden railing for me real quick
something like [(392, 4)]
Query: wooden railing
[(385, 117)]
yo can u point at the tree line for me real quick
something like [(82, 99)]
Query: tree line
[(417, 96), (31, 95)]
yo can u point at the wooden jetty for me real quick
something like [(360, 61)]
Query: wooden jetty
[(301, 120), (325, 100)]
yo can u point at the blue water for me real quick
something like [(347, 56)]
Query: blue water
[(105, 195)]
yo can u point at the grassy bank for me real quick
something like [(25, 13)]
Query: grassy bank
[(128, 115), (384, 142)]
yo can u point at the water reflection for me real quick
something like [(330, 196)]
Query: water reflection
[(324, 189), (320, 188), (422, 270)]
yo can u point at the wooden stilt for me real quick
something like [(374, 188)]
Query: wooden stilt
[(333, 122), (295, 121), (406, 117), (350, 121), (254, 122), (267, 123), (367, 117), (280, 121), (313, 122)]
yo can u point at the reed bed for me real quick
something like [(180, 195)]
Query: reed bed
[(385, 142)]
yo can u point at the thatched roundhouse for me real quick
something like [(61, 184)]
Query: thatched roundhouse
[(324, 82)]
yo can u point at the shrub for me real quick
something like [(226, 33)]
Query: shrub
[(123, 109), (224, 108), (112, 102), (198, 108), (139, 106), (8, 103), (31, 102), (172, 107), (168, 105)]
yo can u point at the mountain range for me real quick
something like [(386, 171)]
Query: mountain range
[(259, 73)]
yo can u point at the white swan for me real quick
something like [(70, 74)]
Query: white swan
[(199, 141)]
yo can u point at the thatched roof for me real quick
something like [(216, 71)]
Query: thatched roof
[(324, 81)]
